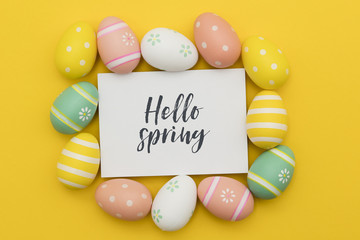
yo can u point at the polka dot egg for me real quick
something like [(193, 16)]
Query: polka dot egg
[(124, 198), (271, 172), (76, 51), (265, 63), (79, 161), (226, 198), (74, 108), (216, 40), (266, 121)]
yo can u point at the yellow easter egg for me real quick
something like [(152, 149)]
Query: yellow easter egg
[(265, 63), (76, 51), (266, 121), (79, 161)]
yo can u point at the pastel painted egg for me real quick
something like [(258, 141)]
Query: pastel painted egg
[(124, 199), (174, 204), (266, 121), (271, 172), (265, 63), (216, 40), (118, 46), (76, 51), (79, 161), (74, 108), (226, 198), (168, 50)]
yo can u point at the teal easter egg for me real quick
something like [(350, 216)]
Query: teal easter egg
[(271, 172), (74, 108)]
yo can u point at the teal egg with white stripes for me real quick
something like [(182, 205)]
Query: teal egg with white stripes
[(74, 108), (271, 172)]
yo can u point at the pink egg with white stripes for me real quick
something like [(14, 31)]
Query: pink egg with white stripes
[(226, 198), (118, 46), (124, 198)]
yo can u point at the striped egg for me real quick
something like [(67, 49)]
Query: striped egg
[(118, 46), (271, 172), (79, 161), (226, 198), (74, 108), (266, 121)]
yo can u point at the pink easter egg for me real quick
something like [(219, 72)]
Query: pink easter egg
[(118, 46), (124, 198), (216, 40), (226, 198)]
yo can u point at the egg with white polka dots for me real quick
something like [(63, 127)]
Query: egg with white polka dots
[(265, 63), (124, 199), (175, 203), (216, 40), (76, 51), (168, 50)]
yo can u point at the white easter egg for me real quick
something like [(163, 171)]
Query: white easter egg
[(175, 203), (168, 50)]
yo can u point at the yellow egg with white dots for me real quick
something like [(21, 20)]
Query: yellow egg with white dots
[(265, 63), (76, 51)]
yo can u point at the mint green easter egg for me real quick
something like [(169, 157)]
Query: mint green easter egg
[(271, 172), (74, 108)]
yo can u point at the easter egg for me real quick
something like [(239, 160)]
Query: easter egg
[(265, 63), (76, 51), (226, 198), (174, 204), (168, 50), (74, 108), (79, 161), (271, 172), (266, 121), (216, 40), (124, 199), (118, 46)]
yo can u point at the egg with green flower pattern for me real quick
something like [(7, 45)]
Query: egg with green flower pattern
[(76, 51), (175, 203), (271, 172), (168, 50), (74, 108), (265, 63)]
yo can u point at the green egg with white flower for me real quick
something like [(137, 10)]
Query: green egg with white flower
[(74, 108), (271, 172)]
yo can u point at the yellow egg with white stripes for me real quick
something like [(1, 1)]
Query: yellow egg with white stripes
[(266, 121), (79, 161)]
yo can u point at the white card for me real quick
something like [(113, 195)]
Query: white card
[(171, 123)]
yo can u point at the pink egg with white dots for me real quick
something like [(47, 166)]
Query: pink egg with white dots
[(216, 40), (124, 198)]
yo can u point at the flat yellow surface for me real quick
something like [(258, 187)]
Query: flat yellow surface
[(321, 41)]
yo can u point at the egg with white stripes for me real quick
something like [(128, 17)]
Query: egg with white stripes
[(76, 51), (74, 108), (265, 63), (79, 161), (266, 121), (118, 46), (226, 198), (271, 172)]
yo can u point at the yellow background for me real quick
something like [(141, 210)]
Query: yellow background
[(320, 39)]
